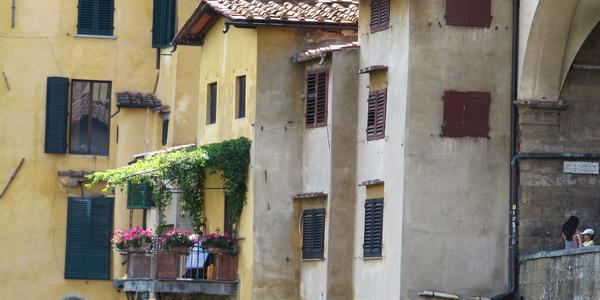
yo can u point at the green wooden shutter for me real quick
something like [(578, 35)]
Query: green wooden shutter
[(163, 22), (57, 105), (313, 233), (139, 195), (89, 228), (85, 17), (76, 259), (373, 228), (104, 17), (101, 215)]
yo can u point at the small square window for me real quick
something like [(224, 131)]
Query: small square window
[(466, 114), (469, 13)]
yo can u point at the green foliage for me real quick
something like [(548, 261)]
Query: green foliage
[(186, 169)]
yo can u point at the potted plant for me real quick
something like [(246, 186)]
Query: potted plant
[(139, 240), (178, 241), (217, 243)]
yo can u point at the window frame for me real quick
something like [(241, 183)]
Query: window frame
[(238, 94), (317, 73), (95, 32), (72, 83), (209, 98), (376, 135), (313, 253)]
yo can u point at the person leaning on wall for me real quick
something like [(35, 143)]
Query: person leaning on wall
[(588, 237), (570, 234)]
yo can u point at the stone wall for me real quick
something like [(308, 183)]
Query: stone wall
[(565, 274)]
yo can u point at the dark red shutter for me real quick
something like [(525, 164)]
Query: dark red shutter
[(374, 15), (477, 114), (454, 113), (468, 12), (371, 114), (384, 14), (380, 115), (321, 116), (311, 99)]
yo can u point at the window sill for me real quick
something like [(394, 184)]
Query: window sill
[(373, 258), (313, 259), (94, 36)]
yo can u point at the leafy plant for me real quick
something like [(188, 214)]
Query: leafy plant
[(186, 170), (215, 240)]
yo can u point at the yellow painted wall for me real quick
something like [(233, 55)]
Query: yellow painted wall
[(33, 211), (223, 57)]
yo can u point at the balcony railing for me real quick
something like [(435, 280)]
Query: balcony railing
[(188, 271)]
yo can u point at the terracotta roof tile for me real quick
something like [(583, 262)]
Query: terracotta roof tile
[(137, 99), (316, 53), (323, 11)]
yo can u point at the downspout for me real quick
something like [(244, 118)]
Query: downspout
[(513, 219)]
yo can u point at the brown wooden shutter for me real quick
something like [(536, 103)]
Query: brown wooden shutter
[(453, 124), (477, 114), (376, 112), (374, 23), (468, 12), (371, 114), (380, 15), (316, 99)]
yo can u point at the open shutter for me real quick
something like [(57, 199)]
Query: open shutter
[(380, 113), (477, 113), (453, 124), (86, 17), (139, 195), (371, 114), (163, 22), (157, 13), (100, 230), (311, 99), (313, 234), (384, 14), (57, 105), (76, 259), (104, 17), (321, 115), (373, 228)]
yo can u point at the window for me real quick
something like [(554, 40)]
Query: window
[(469, 12), (380, 15), (139, 195), (89, 228), (163, 22), (376, 114), (466, 114), (240, 88), (227, 220), (165, 131), (95, 17), (316, 99), (313, 233), (211, 104), (373, 227), (90, 117)]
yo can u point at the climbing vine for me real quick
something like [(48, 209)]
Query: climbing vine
[(186, 170)]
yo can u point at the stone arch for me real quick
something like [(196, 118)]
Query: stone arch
[(552, 32)]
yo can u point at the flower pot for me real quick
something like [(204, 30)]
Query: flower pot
[(215, 250), (179, 249), (225, 267), (139, 264), (167, 265)]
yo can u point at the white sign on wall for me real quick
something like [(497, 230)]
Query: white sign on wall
[(581, 167)]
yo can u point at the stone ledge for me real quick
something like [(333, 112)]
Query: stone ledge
[(542, 104), (179, 286), (559, 253)]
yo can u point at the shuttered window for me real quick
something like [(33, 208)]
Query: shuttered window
[(89, 228), (316, 99), (376, 114), (380, 15), (469, 12), (241, 97), (163, 22), (466, 114), (90, 117), (373, 228), (139, 195), (313, 233), (95, 17), (211, 104), (165, 132), (57, 105)]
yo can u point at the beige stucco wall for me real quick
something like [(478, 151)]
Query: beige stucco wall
[(456, 189), (43, 44)]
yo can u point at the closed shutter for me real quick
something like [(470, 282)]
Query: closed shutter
[(104, 17), (316, 99), (468, 13), (376, 111), (374, 23), (57, 105), (373, 228), (86, 17), (380, 15), (313, 233), (89, 226), (99, 238), (139, 195), (477, 114), (163, 22), (453, 124)]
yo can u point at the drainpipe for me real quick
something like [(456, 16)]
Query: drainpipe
[(513, 273)]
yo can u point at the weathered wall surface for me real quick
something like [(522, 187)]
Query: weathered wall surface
[(456, 189), (42, 44), (382, 159), (566, 274), (548, 195)]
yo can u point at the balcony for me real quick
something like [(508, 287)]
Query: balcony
[(196, 271)]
